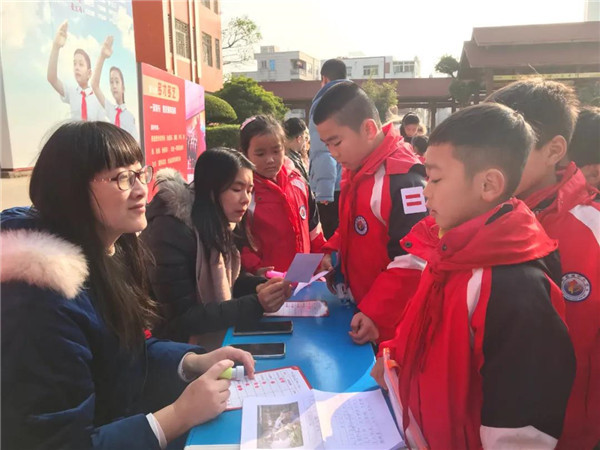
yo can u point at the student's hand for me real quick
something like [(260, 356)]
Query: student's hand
[(199, 364), (263, 270), (363, 329), (107, 49), (273, 293), (326, 263), (61, 35), (377, 373)]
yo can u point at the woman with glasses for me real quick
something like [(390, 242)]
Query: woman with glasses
[(192, 233), (78, 368)]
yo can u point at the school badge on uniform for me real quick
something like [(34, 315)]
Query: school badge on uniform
[(360, 225), (575, 287), (302, 212)]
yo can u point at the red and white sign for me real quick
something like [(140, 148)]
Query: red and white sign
[(413, 200)]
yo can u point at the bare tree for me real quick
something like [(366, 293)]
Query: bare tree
[(239, 36)]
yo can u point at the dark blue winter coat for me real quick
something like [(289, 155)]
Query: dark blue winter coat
[(65, 381)]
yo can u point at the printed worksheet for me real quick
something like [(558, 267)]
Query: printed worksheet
[(320, 420), (302, 308), (271, 383)]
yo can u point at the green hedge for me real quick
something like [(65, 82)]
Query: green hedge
[(218, 110), (223, 136)]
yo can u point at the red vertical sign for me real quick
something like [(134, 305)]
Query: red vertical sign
[(163, 99)]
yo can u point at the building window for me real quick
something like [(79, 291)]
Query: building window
[(371, 70), (218, 53), (207, 56), (216, 6), (263, 64), (348, 71), (206, 3), (271, 64), (404, 66), (182, 39)]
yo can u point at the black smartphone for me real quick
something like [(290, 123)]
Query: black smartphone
[(282, 327), (264, 350)]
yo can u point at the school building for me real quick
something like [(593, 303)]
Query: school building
[(182, 38), (566, 52)]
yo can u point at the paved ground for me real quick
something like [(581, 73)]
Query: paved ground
[(14, 192)]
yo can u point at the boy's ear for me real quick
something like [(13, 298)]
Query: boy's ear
[(492, 185), (371, 129), (555, 150)]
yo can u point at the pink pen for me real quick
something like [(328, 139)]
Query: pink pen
[(274, 274)]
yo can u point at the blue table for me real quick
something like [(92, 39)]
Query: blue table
[(321, 348)]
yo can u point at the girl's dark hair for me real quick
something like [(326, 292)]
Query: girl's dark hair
[(214, 173), (410, 118), (61, 193), (294, 127), (258, 126), (116, 69), (584, 148)]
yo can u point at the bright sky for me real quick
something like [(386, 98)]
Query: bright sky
[(400, 28)]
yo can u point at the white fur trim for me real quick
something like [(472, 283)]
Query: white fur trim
[(42, 259), (176, 193)]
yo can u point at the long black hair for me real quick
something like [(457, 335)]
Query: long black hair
[(61, 193), (215, 171)]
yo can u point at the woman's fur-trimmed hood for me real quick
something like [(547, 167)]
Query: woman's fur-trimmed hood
[(42, 259), (176, 195)]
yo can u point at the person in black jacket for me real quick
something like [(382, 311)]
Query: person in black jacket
[(192, 233)]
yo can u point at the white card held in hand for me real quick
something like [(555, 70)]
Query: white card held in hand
[(303, 267)]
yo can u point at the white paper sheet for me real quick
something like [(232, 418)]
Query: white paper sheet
[(302, 308), (271, 383), (317, 419), (303, 267)]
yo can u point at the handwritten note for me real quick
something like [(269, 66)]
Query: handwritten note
[(307, 308), (271, 383)]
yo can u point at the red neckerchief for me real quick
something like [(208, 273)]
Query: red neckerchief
[(508, 234), (392, 146), (570, 191)]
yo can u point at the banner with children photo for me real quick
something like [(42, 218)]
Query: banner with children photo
[(67, 60)]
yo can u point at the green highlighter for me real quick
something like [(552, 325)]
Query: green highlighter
[(233, 373)]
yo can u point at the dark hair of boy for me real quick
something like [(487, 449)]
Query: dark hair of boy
[(420, 144), (259, 126), (334, 69), (215, 171), (410, 118), (584, 148), (83, 53), (488, 135), (294, 127), (348, 104), (548, 106)]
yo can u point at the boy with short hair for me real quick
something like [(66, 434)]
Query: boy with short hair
[(381, 199), (81, 98), (569, 211), (584, 149), (485, 358)]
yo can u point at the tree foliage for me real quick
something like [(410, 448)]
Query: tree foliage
[(239, 36), (248, 99), (218, 110), (462, 91), (448, 65), (383, 95), (589, 95)]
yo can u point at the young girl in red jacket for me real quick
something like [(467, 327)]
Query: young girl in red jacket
[(282, 215)]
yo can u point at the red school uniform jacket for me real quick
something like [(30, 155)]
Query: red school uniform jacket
[(283, 221), (569, 212), (485, 358), (379, 204)]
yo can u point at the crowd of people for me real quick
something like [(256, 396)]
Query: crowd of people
[(472, 256)]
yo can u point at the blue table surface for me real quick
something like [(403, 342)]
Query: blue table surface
[(320, 347)]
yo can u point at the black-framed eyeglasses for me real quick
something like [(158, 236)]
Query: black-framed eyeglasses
[(126, 179)]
